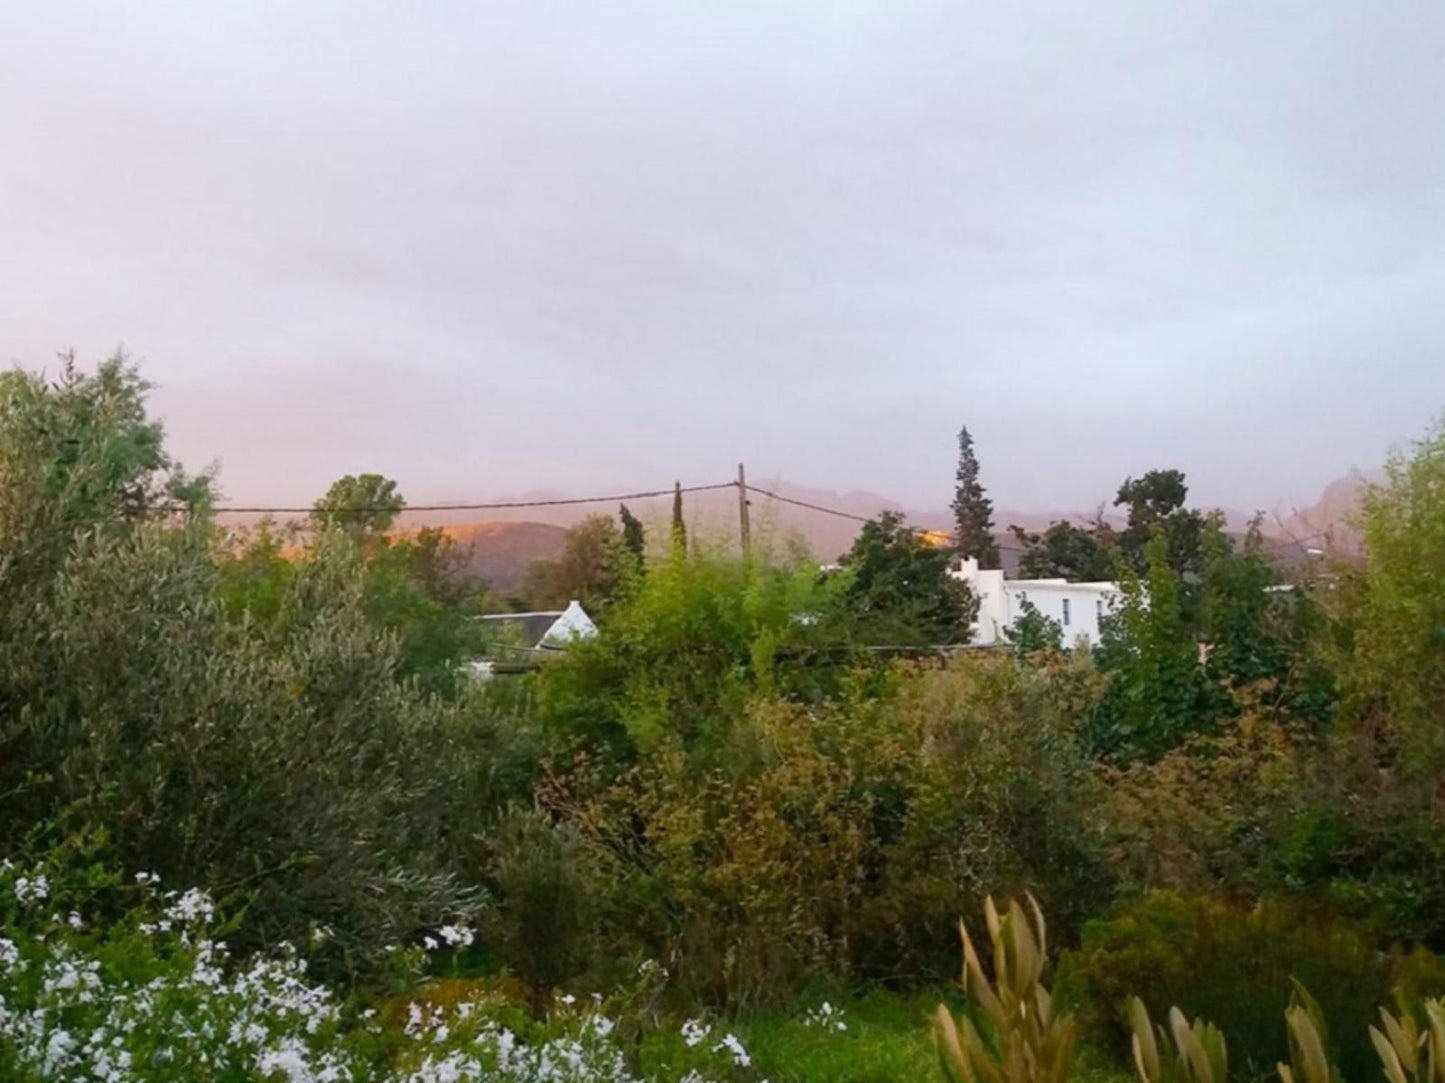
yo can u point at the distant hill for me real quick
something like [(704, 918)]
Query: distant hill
[(500, 552), (1325, 524), (509, 539)]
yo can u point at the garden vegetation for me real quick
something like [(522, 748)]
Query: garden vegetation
[(261, 824)]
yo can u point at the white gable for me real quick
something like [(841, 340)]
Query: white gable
[(572, 623)]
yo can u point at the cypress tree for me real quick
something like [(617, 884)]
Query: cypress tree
[(679, 528), (972, 509), (633, 538)]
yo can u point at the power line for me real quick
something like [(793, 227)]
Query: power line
[(811, 507), (503, 505), (861, 518), (491, 506)]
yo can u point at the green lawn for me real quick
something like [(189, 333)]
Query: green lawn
[(888, 1040)]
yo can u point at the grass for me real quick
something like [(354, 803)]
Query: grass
[(888, 1040)]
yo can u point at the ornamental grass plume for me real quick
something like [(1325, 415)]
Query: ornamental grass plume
[(1027, 1041)]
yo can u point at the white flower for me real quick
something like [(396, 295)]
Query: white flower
[(31, 889), (147, 878), (695, 1031), (289, 1060), (57, 1052), (194, 907), (826, 1017), (457, 935), (735, 1047)]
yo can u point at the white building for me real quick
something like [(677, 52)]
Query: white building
[(1078, 608), (524, 638)]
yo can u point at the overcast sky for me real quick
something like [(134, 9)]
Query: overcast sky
[(493, 247)]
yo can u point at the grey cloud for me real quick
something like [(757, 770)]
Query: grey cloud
[(817, 237)]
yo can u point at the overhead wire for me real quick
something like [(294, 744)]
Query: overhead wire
[(858, 518), (504, 505), (496, 505)]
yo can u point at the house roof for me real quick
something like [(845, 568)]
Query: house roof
[(1061, 585), (532, 627)]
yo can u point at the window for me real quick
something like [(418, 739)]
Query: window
[(1066, 612)]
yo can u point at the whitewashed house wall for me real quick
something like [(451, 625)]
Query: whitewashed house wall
[(1078, 608)]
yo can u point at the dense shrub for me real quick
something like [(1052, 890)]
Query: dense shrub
[(1214, 813), (281, 760), (1390, 645), (1157, 694), (543, 921), (843, 839), (292, 768), (680, 658), (1370, 838), (1232, 966)]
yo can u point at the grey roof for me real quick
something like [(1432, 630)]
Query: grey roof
[(531, 628)]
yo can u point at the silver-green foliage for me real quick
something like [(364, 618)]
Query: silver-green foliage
[(285, 766)]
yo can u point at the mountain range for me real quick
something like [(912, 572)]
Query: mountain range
[(502, 546)]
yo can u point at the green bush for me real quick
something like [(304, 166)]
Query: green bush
[(681, 657), (827, 841), (543, 923), (1232, 966), (281, 762), (1390, 648)]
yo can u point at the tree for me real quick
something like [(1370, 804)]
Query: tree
[(254, 572), (1034, 632), (363, 505), (1066, 551), (275, 759), (416, 588), (634, 540), (1157, 499), (1157, 693), (591, 569), (1236, 605), (82, 450), (679, 526), (972, 509), (1153, 497), (1390, 648), (682, 654), (900, 588)]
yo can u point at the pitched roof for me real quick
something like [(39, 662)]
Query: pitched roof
[(532, 628)]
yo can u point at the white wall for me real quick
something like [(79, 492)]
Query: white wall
[(574, 623), (1076, 607)]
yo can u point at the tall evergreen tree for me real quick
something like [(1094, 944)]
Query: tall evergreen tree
[(633, 538), (972, 509), (679, 528)]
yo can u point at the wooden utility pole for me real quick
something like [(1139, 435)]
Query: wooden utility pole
[(745, 533)]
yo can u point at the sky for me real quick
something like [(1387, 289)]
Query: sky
[(494, 248)]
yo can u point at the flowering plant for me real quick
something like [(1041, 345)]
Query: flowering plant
[(157, 996)]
